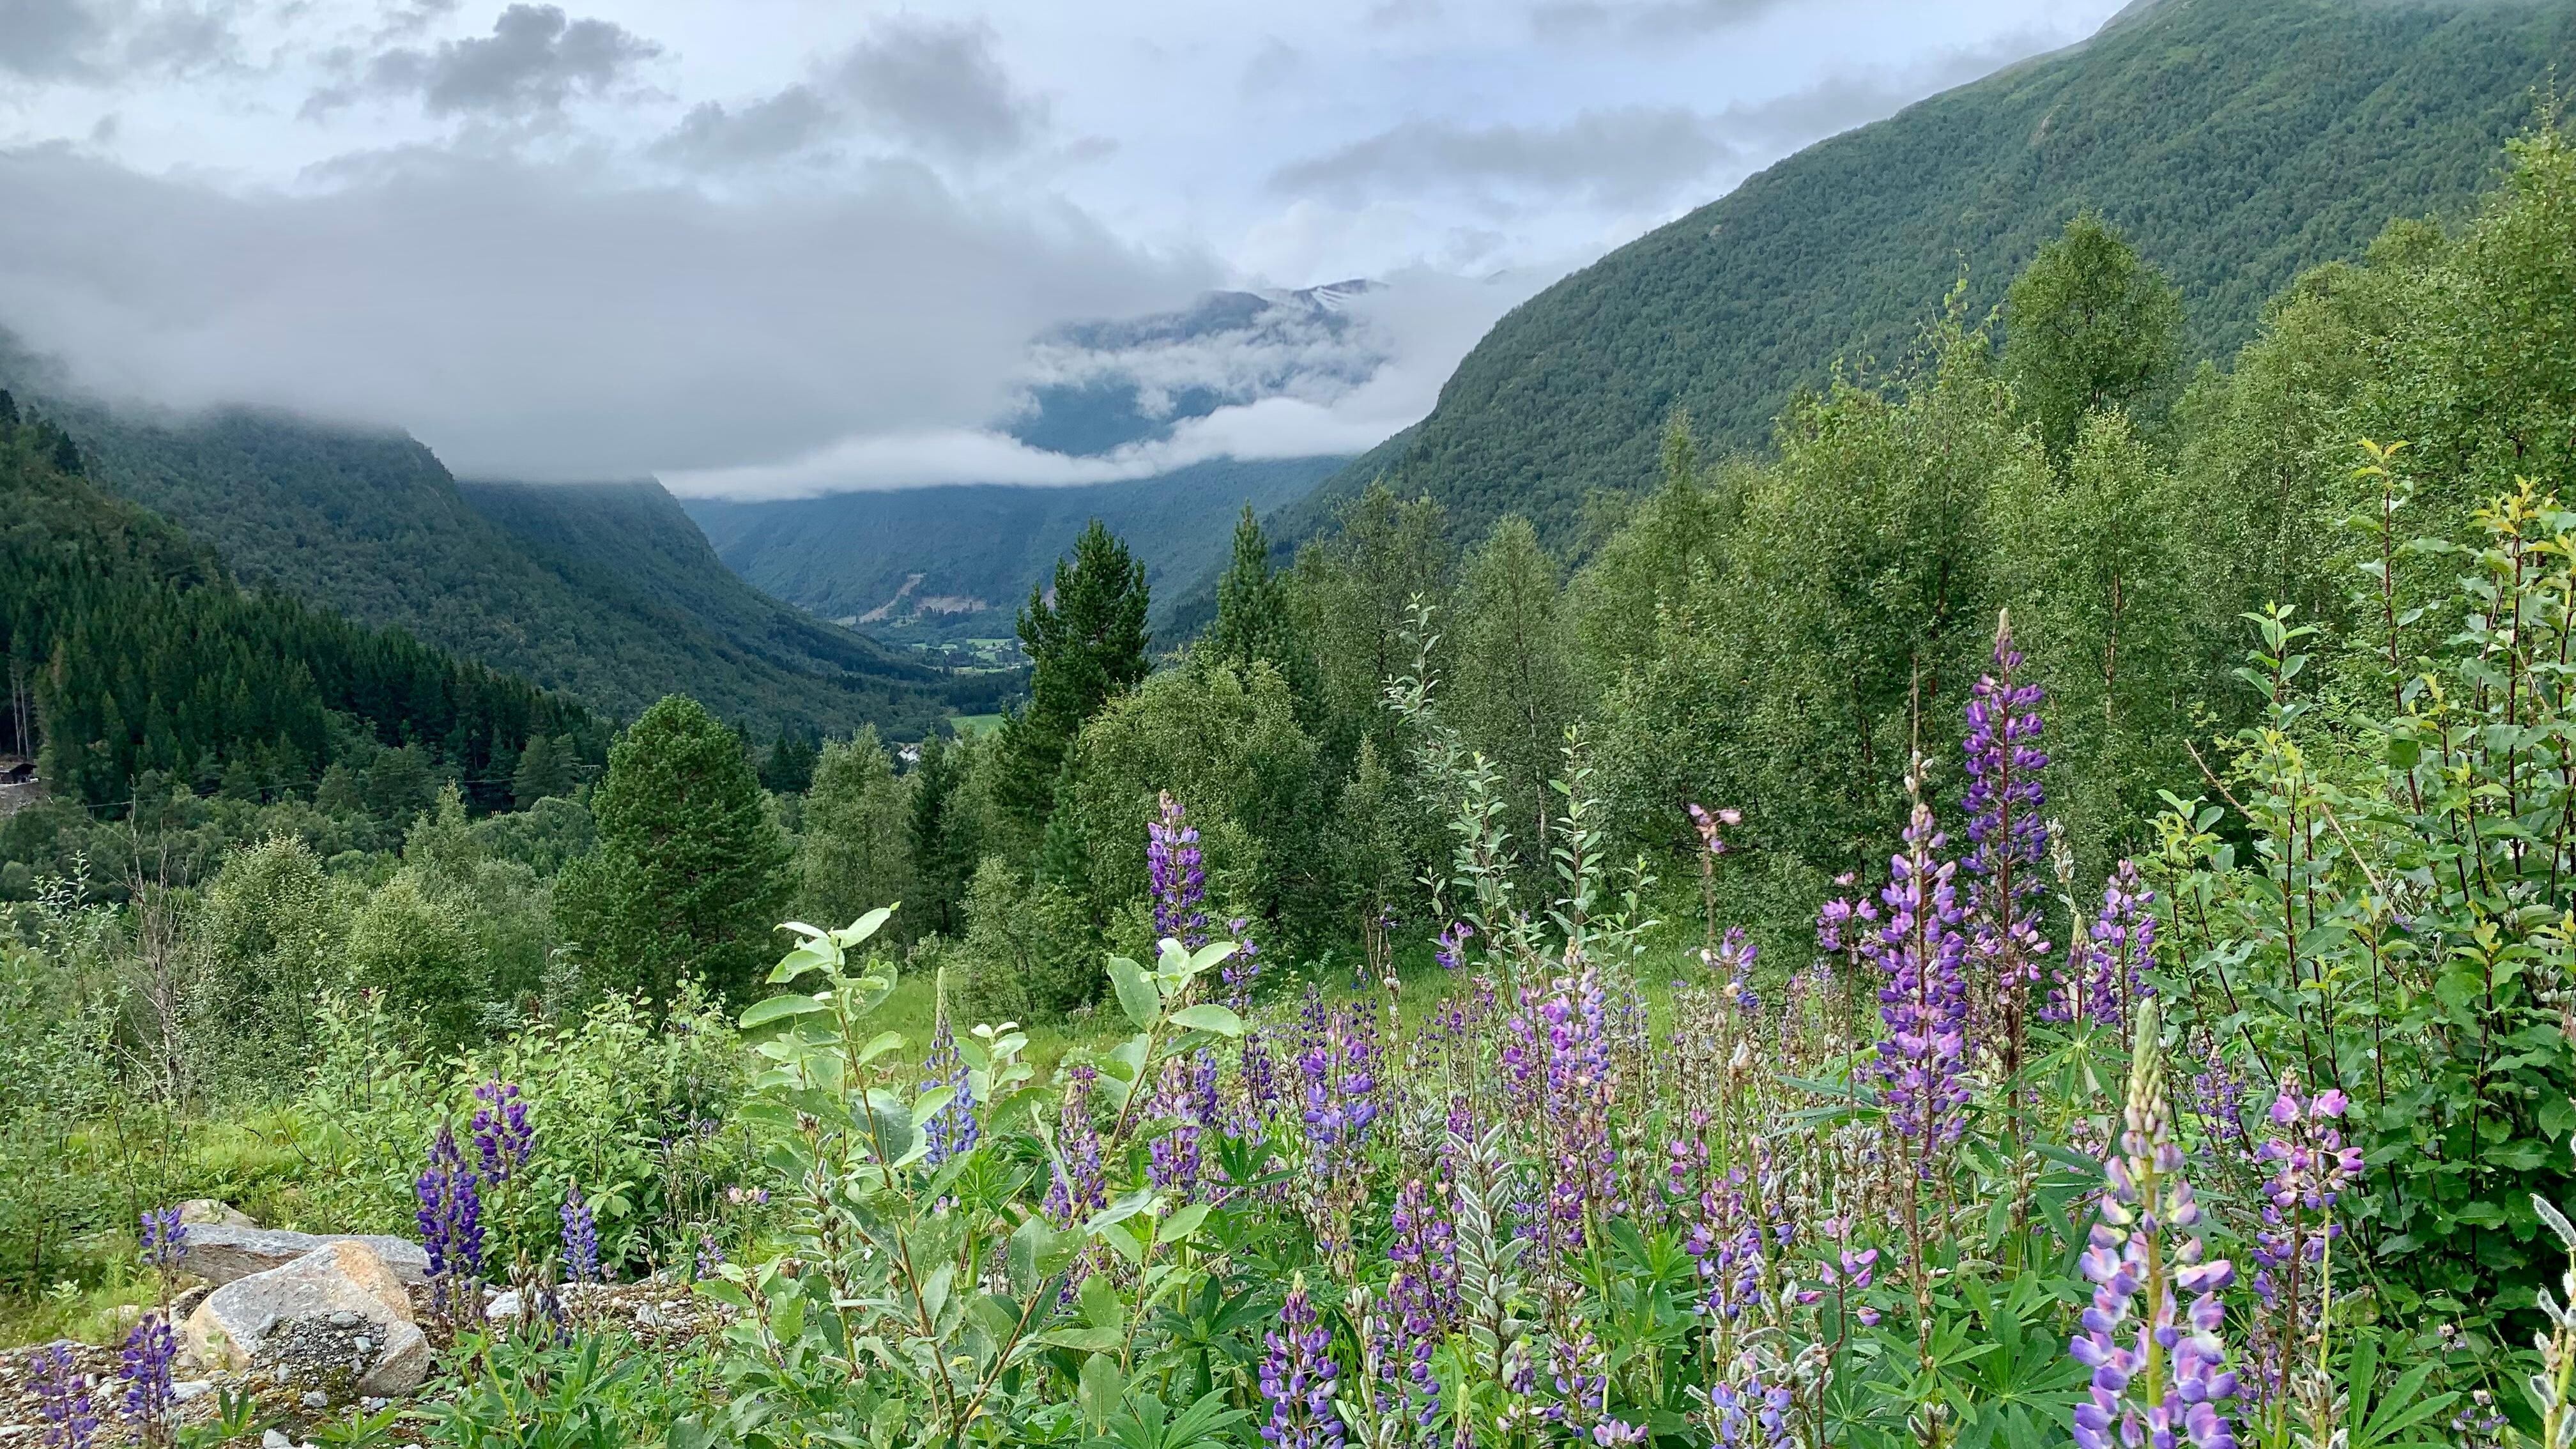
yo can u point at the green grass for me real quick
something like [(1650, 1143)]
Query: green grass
[(969, 726)]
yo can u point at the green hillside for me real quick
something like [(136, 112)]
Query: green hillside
[(371, 526), (2235, 142), (977, 549), (147, 657)]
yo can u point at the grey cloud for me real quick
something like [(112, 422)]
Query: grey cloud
[(935, 90), (535, 59), (1634, 156), (939, 87), (47, 38), (103, 40), (1619, 156), (712, 137), (545, 321)]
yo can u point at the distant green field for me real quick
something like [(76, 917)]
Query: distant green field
[(969, 726)]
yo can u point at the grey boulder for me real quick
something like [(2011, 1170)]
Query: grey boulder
[(339, 1291), (222, 1252)]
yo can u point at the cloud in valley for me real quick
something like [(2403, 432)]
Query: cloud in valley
[(770, 247)]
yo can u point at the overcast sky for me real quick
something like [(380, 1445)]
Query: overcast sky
[(767, 246)]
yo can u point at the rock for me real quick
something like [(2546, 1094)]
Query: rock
[(207, 1212), (506, 1305), (221, 1253), (316, 1399), (187, 1389), (271, 1439), (298, 1305)]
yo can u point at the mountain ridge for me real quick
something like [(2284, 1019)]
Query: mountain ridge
[(2235, 143)]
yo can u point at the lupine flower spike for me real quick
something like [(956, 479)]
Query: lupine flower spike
[(63, 1402), (580, 1237), (2160, 1376)]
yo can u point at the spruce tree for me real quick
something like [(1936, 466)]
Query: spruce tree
[(945, 847), (1085, 648), (1254, 620), (690, 875)]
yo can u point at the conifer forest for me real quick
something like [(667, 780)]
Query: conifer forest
[(2035, 907)]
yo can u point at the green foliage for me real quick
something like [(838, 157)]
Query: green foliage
[(628, 1101), (155, 662), (856, 851), (2089, 328), (271, 929), (691, 865), (1086, 644)]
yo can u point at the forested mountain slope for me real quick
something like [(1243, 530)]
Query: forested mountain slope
[(633, 540), (371, 526), (958, 561), (2235, 142), (148, 657)]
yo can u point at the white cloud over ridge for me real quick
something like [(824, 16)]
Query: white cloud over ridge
[(775, 247)]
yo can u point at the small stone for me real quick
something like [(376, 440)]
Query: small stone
[(316, 1399), (187, 1389), (372, 1405), (345, 1319), (505, 1305), (363, 1344), (271, 1439), (205, 1211)]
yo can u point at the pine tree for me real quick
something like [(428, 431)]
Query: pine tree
[(945, 847), (545, 769), (1254, 620), (2089, 327), (1085, 648), (690, 876), (789, 769)]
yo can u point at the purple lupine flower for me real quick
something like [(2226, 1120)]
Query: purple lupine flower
[(164, 1238), (1422, 1296), (1580, 1370), (711, 1255), (580, 1236), (2107, 983), (1337, 1072), (502, 1136), (2160, 1376), (1297, 1375), (1577, 1086), (144, 1368), (1080, 1187), (1733, 960), (2309, 1167), (451, 1225), (1179, 881), (1187, 1094), (2218, 1098), (1259, 1074), (952, 1129), (1452, 951), (1242, 970), (1923, 1061), (2007, 836), (1751, 1413), (63, 1400), (1709, 822)]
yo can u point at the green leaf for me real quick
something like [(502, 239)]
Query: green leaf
[(1181, 1224), (862, 928), (1102, 1389), (775, 1008), (1136, 994), (1208, 1016)]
